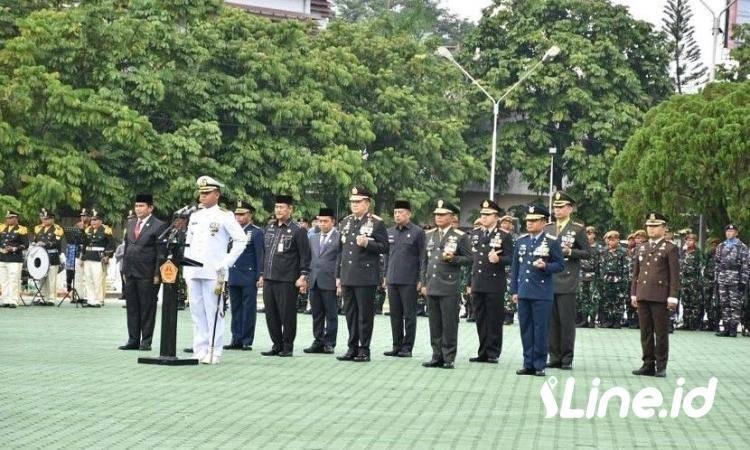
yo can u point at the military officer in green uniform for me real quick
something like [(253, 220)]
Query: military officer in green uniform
[(447, 251), (575, 248)]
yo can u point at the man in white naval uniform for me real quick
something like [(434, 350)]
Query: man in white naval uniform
[(209, 232)]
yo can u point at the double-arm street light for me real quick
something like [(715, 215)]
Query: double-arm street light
[(549, 54), (715, 31)]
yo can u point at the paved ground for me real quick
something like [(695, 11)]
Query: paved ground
[(63, 383)]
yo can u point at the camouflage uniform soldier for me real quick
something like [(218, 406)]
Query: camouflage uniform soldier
[(506, 224), (691, 284), (613, 280), (588, 298), (710, 299), (732, 272)]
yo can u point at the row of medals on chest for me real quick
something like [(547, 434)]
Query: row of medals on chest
[(364, 230)]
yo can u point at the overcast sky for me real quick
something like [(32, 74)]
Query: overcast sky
[(649, 10)]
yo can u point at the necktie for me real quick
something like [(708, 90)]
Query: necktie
[(138, 228), (323, 241), (559, 228)]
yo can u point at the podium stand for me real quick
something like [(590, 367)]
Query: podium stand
[(168, 343)]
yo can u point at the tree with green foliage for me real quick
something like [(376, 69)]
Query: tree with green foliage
[(690, 157), (688, 71), (586, 102), (420, 18), (113, 97)]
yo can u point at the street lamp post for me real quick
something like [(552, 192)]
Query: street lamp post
[(552, 151), (715, 30), (549, 54)]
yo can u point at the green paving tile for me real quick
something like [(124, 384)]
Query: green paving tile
[(64, 384)]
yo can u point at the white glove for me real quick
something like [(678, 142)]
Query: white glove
[(222, 272)]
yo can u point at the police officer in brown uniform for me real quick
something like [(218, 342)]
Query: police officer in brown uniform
[(654, 290)]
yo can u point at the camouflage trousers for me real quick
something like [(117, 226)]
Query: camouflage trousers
[(731, 303), (587, 302), (613, 297), (510, 307), (691, 299)]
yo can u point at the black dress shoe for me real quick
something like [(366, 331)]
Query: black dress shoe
[(724, 333), (433, 363), (661, 373), (525, 371), (129, 347), (12, 305), (448, 365), (233, 347), (568, 366), (313, 349), (492, 360), (404, 354), (145, 348), (328, 350), (348, 356), (471, 319), (478, 359), (540, 373), (247, 347), (391, 353), (555, 365), (286, 354), (188, 349), (362, 357), (271, 352), (645, 370)]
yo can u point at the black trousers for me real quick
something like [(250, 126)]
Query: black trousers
[(359, 306), (280, 300), (443, 317), (402, 299), (489, 309), (653, 318), (140, 304), (324, 307), (562, 329)]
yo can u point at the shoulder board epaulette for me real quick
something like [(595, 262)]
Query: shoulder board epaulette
[(2, 227), (430, 231), (376, 217), (59, 231), (549, 236), (348, 217), (460, 232), (38, 228), (22, 230), (578, 223), (549, 224), (223, 209), (522, 236), (107, 230)]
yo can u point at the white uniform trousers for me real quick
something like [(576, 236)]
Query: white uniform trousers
[(10, 282), (203, 304), (48, 287), (92, 273), (80, 279)]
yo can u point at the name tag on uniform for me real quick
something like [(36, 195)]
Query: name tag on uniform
[(280, 248)]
